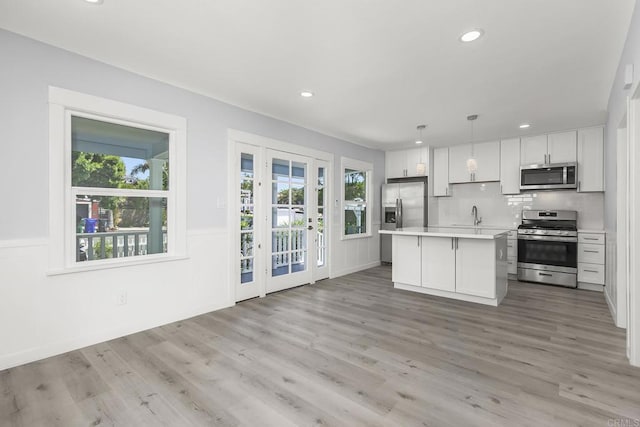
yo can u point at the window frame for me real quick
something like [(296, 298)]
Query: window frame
[(367, 168), (65, 104)]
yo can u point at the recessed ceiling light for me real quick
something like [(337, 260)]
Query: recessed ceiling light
[(524, 125), (94, 1), (418, 142), (306, 94), (470, 36)]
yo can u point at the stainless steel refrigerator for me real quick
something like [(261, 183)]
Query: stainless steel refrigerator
[(404, 204)]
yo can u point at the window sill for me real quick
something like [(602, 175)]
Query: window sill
[(110, 264), (355, 236)]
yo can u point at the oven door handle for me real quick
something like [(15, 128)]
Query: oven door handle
[(548, 238)]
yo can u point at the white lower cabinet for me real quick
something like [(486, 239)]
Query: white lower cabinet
[(406, 260), (512, 252), (466, 266), (475, 268), (439, 263), (591, 258)]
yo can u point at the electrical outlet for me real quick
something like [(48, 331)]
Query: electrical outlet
[(121, 298)]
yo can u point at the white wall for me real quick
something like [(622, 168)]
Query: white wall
[(43, 315), (617, 109), (501, 210)]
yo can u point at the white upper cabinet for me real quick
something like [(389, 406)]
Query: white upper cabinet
[(591, 159), (458, 155), (533, 150), (440, 173), (562, 147), (404, 163), (510, 166), (544, 149), (395, 164), (487, 155)]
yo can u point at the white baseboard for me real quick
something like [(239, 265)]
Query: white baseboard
[(354, 269), (612, 309), (453, 295), (590, 287)]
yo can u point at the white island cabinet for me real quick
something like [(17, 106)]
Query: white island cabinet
[(465, 264)]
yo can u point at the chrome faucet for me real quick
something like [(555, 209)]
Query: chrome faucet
[(474, 212)]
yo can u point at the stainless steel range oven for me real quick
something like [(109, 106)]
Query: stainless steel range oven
[(548, 247)]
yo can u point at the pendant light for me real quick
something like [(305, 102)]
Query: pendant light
[(421, 168), (472, 163)]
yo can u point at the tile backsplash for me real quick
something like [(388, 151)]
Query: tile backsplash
[(506, 210)]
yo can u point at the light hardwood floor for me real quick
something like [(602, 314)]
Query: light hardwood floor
[(348, 351)]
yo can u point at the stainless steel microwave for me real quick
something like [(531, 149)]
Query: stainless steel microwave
[(549, 177)]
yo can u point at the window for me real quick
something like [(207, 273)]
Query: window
[(356, 197), (120, 185)]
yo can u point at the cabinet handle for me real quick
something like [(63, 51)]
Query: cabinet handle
[(452, 243), (501, 190), (545, 274), (549, 155), (591, 271), (578, 185), (590, 238), (418, 240), (591, 252)]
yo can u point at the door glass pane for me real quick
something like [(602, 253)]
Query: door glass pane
[(280, 241), (280, 217), (288, 216), (246, 217), (280, 264), (246, 270), (298, 261), (321, 245)]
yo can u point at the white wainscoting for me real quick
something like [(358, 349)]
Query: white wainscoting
[(47, 315), (352, 255)]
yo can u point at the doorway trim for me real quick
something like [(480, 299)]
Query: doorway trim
[(235, 137), (633, 139)]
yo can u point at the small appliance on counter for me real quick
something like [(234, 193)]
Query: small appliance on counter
[(548, 247), (404, 204)]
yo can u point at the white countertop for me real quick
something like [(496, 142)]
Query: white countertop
[(465, 233), (482, 226)]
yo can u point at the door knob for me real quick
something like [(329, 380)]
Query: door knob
[(310, 227)]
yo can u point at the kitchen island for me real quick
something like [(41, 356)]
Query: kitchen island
[(468, 264)]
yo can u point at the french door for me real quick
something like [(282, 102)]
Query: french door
[(283, 228)]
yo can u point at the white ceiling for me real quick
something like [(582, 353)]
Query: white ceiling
[(378, 67)]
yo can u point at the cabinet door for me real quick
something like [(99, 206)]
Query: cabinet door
[(406, 260), (561, 147), (439, 263), (487, 155), (395, 164), (476, 267), (458, 156), (533, 150), (510, 166), (415, 156), (591, 159), (441, 172)]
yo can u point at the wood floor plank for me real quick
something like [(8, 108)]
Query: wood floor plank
[(347, 351)]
